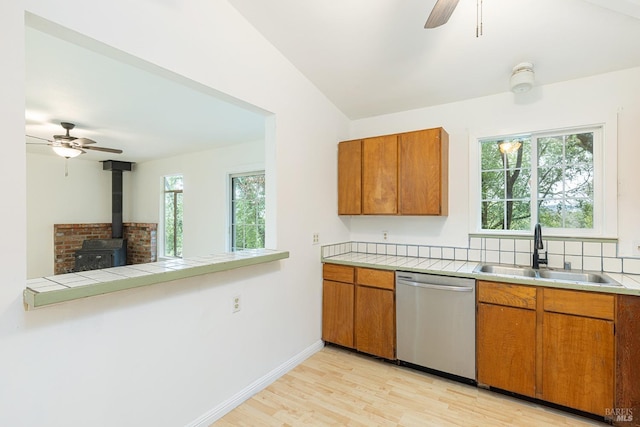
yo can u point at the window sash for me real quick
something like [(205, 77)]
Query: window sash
[(534, 197), (173, 221), (247, 212)]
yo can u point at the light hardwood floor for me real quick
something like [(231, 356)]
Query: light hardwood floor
[(336, 387)]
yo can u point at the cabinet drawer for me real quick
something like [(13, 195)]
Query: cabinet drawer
[(588, 304), (383, 279), (507, 294), (338, 273)]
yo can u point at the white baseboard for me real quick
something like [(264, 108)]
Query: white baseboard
[(261, 383)]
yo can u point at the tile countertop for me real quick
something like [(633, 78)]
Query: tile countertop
[(66, 287), (630, 283)]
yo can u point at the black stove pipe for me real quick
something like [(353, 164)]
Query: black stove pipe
[(116, 204), (116, 168)]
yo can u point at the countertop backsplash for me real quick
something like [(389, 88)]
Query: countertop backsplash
[(593, 255)]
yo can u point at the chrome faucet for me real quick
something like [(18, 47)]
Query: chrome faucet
[(537, 244)]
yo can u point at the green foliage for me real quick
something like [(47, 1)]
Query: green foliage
[(565, 181), (248, 212), (173, 214)]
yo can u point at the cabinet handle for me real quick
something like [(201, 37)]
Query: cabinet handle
[(440, 287)]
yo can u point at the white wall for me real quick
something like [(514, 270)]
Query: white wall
[(168, 354), (83, 196), (612, 99), (205, 192)]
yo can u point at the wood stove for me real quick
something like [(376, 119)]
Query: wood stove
[(101, 253), (104, 253)]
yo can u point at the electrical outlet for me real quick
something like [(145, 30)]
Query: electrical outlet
[(385, 235), (635, 250), (316, 238), (236, 303)]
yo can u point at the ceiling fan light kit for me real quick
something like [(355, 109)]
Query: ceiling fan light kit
[(68, 146), (66, 152), (522, 77)]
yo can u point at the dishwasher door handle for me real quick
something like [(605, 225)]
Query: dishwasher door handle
[(440, 287)]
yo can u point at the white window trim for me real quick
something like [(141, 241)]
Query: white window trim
[(605, 188), (160, 240), (248, 170)]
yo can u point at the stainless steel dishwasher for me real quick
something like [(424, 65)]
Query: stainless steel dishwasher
[(436, 322)]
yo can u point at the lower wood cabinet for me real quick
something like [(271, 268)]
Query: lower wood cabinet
[(578, 362), (553, 344), (578, 350), (358, 309), (627, 361), (506, 337), (338, 297), (375, 317)]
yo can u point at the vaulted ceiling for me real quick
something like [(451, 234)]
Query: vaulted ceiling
[(369, 57), (373, 57)]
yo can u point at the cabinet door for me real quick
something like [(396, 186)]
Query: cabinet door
[(350, 178), (375, 322), (380, 175), (423, 172), (337, 312), (577, 362), (506, 348), (628, 354)]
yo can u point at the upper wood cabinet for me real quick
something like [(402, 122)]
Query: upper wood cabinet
[(424, 172), (400, 174), (350, 178), (380, 175)]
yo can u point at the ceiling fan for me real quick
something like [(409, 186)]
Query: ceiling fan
[(69, 146), (440, 13)]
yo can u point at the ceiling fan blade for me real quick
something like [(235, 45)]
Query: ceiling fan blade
[(83, 141), (441, 13), (37, 137), (107, 150)]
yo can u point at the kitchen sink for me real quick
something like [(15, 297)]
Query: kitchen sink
[(576, 276), (506, 270), (582, 277)]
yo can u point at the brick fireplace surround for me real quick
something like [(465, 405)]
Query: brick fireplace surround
[(68, 238)]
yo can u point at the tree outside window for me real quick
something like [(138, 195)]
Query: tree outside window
[(173, 213), (247, 211), (548, 177)]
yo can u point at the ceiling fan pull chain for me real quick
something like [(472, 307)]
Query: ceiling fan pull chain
[(66, 167), (478, 18), (481, 17)]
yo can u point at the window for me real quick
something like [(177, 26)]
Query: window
[(247, 211), (545, 177), (173, 212)]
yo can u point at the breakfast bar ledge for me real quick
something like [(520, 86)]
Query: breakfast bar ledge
[(49, 290)]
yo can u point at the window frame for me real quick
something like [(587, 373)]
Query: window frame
[(163, 214), (603, 183), (230, 211)]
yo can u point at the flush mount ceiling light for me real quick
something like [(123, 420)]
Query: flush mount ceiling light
[(522, 77)]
